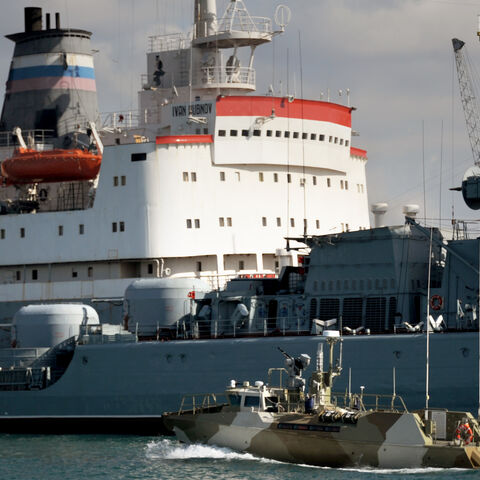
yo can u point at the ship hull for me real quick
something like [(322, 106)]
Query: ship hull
[(125, 388)]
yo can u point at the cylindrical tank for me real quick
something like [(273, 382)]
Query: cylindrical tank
[(51, 83), (37, 326), (157, 303)]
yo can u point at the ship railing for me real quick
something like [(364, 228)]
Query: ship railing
[(225, 77), (199, 403), (246, 24), (99, 334), (266, 326), (20, 357), (369, 401), (165, 43), (122, 119), (33, 137), (30, 378)]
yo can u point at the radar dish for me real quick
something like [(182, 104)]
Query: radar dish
[(283, 15)]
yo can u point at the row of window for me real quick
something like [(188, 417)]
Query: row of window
[(292, 222), (303, 180), (34, 274), (227, 222), (116, 227), (285, 134)]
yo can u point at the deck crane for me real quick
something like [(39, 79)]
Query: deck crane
[(471, 180)]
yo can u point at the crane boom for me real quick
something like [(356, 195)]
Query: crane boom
[(471, 180), (469, 101)]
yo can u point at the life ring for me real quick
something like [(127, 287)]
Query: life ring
[(436, 302), (464, 433)]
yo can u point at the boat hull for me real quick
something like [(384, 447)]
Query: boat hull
[(379, 439)]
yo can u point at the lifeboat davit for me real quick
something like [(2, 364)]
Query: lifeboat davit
[(58, 165)]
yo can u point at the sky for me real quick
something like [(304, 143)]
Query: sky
[(395, 57)]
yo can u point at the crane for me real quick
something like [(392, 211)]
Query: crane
[(471, 181)]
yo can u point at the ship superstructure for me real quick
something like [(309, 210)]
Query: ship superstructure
[(204, 180)]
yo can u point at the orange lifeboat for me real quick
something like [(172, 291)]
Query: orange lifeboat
[(58, 165)]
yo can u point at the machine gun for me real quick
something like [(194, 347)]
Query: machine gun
[(295, 367)]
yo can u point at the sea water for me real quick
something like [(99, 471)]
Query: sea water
[(75, 457)]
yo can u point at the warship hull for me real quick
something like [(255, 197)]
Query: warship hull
[(125, 388)]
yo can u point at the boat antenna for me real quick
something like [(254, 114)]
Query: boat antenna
[(478, 319), (423, 167), (441, 167), (427, 371), (349, 383), (305, 221)]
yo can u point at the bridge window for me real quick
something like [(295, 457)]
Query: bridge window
[(321, 138), (287, 134), (234, 399), (313, 136), (278, 133), (233, 133), (257, 133), (222, 133), (269, 133), (245, 133), (251, 401), (296, 134), (304, 136)]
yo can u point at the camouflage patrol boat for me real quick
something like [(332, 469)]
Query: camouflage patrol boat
[(325, 429)]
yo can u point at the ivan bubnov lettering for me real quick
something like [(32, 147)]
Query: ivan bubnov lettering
[(193, 109)]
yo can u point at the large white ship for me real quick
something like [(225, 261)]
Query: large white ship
[(205, 180)]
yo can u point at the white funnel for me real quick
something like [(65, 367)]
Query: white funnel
[(379, 210)]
